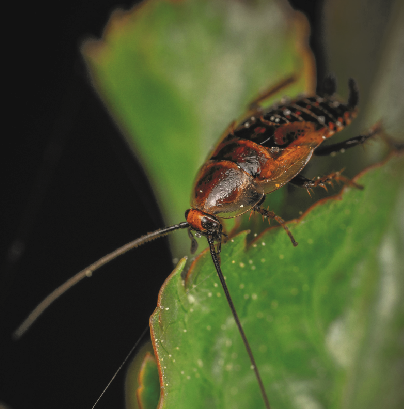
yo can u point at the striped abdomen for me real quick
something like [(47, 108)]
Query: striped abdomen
[(266, 151)]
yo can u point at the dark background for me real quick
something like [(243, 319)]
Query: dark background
[(71, 192)]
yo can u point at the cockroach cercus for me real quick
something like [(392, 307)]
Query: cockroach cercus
[(257, 155)]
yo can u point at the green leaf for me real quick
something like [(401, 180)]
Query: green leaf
[(323, 319), (150, 387), (175, 74), (142, 387)]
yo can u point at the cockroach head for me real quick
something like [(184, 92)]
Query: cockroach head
[(204, 223)]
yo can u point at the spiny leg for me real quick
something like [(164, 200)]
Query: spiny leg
[(323, 181), (349, 143), (271, 215)]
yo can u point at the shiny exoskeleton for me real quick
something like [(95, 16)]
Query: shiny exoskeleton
[(264, 152)]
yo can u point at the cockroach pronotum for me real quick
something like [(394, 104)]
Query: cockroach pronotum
[(257, 155)]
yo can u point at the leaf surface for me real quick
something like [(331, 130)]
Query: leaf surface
[(323, 319)]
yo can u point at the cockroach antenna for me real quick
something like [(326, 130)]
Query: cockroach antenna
[(87, 272)]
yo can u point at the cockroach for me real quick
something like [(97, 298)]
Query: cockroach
[(265, 150)]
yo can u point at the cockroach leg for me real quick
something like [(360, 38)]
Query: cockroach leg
[(271, 215)]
